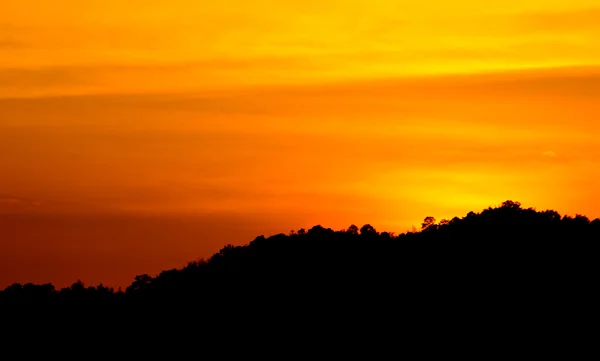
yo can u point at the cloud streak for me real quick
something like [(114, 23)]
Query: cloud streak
[(17, 205), (288, 43)]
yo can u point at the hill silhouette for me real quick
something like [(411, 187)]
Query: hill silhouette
[(501, 264)]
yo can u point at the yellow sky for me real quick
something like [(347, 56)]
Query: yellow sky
[(110, 46), (138, 135)]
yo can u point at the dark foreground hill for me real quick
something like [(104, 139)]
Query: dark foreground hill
[(502, 265)]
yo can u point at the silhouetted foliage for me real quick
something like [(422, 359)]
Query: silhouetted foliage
[(428, 223), (499, 261), (353, 229)]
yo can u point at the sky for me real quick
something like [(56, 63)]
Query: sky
[(137, 136)]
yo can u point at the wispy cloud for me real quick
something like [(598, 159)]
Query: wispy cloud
[(577, 20), (288, 42), (14, 204), (9, 38), (10, 44)]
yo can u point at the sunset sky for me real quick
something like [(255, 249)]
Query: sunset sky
[(136, 136)]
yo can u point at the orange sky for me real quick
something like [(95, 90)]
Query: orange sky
[(136, 136)]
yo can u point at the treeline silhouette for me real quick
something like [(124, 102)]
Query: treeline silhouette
[(499, 261)]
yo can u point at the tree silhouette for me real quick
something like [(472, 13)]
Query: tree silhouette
[(367, 229), (491, 266), (428, 222), (353, 229)]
